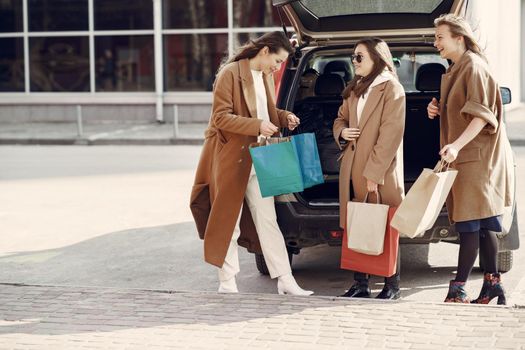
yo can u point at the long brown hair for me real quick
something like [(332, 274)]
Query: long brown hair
[(382, 58), (459, 26), (274, 40)]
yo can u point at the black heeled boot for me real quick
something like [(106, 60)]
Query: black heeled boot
[(359, 289), (456, 293), (491, 288), (390, 292)]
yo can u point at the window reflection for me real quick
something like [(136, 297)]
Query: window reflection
[(12, 64), (192, 60), (59, 64), (58, 15), (195, 14), (256, 13), (123, 14), (125, 63), (11, 19)]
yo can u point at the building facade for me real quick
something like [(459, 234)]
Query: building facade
[(119, 58)]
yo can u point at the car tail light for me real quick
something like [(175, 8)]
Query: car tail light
[(336, 234)]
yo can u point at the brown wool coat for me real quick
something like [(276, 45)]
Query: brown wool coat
[(483, 185), (225, 163), (378, 152)]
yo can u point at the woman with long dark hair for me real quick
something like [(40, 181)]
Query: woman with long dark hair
[(370, 127), (226, 201)]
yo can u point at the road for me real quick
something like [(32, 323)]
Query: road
[(117, 216)]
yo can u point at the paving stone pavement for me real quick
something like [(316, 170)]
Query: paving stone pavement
[(58, 317)]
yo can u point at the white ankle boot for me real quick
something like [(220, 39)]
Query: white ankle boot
[(286, 284), (228, 286)]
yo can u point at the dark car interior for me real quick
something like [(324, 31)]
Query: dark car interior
[(318, 109)]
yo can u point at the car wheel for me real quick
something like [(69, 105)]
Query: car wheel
[(261, 263), (505, 260)]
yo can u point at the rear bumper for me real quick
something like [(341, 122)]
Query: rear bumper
[(305, 227)]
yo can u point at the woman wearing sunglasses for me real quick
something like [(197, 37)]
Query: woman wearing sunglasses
[(473, 141), (370, 127)]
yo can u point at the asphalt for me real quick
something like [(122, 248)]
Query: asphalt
[(154, 133)]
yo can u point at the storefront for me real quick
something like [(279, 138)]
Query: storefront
[(127, 58)]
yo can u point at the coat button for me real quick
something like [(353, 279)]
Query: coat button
[(240, 161), (242, 147)]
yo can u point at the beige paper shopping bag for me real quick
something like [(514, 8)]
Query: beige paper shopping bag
[(366, 226), (421, 207)]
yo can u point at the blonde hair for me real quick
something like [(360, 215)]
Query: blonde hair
[(459, 26)]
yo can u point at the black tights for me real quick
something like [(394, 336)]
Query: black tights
[(470, 243)]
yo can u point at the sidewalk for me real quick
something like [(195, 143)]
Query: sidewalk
[(54, 317), (129, 133)]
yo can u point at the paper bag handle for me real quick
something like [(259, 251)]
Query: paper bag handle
[(378, 197)]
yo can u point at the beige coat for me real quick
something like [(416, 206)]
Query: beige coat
[(482, 186), (225, 163), (377, 154)]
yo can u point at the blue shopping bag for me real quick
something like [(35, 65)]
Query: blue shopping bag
[(277, 168), (306, 148)]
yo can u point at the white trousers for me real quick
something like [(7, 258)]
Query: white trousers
[(270, 236)]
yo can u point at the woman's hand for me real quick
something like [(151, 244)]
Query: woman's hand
[(293, 121), (449, 153), (350, 134), (371, 186), (433, 108), (267, 129)]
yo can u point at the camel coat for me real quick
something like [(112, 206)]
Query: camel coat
[(225, 163), (483, 185), (378, 152)]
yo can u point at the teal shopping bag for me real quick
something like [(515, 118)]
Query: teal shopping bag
[(306, 148), (277, 168)]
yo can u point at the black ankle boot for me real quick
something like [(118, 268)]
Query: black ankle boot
[(491, 288), (389, 292), (359, 289), (456, 293)]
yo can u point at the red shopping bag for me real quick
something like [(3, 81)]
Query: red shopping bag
[(379, 265)]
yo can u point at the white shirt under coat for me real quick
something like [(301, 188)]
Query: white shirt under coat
[(261, 100), (381, 78)]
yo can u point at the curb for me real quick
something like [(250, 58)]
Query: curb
[(131, 142)]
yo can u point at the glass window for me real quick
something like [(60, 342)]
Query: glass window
[(407, 64), (256, 13), (322, 8), (58, 15), (192, 60), (11, 16), (123, 14), (12, 64), (180, 14), (59, 64), (124, 63)]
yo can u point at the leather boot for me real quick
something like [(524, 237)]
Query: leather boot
[(389, 292), (359, 289), (491, 288), (456, 293)]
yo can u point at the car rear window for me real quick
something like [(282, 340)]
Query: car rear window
[(323, 8)]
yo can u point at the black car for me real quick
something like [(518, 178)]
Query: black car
[(311, 86)]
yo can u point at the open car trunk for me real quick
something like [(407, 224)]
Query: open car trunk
[(420, 73)]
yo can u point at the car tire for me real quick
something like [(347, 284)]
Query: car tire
[(261, 263), (505, 260)]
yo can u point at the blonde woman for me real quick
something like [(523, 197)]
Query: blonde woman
[(470, 112)]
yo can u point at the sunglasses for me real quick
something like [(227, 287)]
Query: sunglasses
[(357, 58)]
